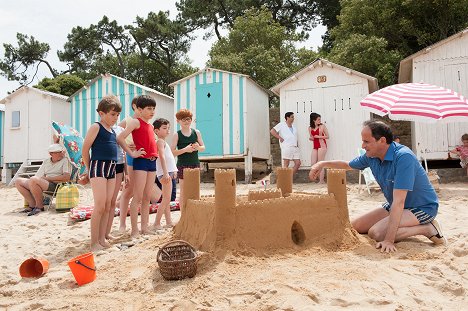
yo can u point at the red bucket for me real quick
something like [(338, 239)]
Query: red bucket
[(83, 268), (33, 267)]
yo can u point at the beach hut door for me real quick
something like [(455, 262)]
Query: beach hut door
[(210, 117)]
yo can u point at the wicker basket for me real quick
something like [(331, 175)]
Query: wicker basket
[(177, 260)]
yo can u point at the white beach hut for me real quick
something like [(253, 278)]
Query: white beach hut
[(28, 117), (232, 112), (445, 64), (334, 92), (2, 125), (85, 101)]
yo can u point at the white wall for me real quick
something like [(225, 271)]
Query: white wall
[(257, 120), (446, 66), (336, 100)]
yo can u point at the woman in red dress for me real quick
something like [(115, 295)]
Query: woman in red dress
[(318, 134)]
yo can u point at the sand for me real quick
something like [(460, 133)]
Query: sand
[(419, 276)]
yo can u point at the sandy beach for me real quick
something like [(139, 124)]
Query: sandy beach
[(419, 276)]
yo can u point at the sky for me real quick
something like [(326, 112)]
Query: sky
[(51, 21)]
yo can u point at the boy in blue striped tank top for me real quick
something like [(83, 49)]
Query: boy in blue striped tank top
[(102, 141)]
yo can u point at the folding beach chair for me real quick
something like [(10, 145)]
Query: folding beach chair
[(369, 178)]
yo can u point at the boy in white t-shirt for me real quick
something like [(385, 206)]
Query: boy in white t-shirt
[(287, 135), (166, 169)]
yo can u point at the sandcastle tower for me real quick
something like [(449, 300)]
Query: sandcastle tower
[(225, 203), (336, 183), (284, 180), (191, 185)]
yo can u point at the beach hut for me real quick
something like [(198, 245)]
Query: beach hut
[(231, 110), (334, 92), (85, 101), (2, 123), (445, 64), (28, 117)]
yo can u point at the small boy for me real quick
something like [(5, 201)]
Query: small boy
[(166, 171), (186, 144), (101, 140), (144, 163), (462, 152)]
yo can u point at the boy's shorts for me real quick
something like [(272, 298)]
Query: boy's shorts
[(172, 174), (464, 162), (100, 168), (422, 216), (129, 160), (180, 168), (142, 164), (119, 168)]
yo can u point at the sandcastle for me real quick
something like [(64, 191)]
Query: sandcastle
[(265, 219)]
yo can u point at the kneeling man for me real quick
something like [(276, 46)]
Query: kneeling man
[(412, 203), (53, 170)]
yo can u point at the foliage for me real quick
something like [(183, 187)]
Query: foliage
[(383, 32), (18, 60), (63, 84), (217, 14), (260, 47)]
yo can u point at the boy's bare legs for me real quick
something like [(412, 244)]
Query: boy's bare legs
[(139, 184), (110, 219), (99, 187), (110, 186), (127, 194), (147, 194), (164, 206)]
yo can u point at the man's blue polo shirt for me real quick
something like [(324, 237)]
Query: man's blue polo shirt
[(400, 169)]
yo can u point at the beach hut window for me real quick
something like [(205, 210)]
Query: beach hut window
[(15, 119)]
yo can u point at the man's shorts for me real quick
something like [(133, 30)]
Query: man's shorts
[(51, 187), (129, 160), (142, 164), (290, 153), (180, 172), (464, 162), (422, 216), (119, 168), (100, 168)]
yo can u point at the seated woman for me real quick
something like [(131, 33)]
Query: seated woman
[(53, 170)]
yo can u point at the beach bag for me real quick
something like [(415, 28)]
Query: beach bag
[(67, 197)]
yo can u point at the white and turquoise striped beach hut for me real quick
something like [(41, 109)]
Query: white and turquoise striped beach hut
[(85, 101), (231, 110)]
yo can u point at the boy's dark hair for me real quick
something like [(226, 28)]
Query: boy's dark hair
[(380, 129), (144, 101), (109, 103), (134, 100), (288, 114), (464, 137), (160, 122)]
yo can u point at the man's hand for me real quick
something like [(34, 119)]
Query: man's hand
[(315, 171), (386, 246), (281, 139)]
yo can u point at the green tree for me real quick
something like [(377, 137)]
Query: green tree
[(65, 84), (260, 47), (398, 28), (218, 14), (28, 55)]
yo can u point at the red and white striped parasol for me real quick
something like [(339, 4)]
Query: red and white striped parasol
[(417, 102)]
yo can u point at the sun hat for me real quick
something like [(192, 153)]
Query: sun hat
[(55, 148)]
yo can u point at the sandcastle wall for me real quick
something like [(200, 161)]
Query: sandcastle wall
[(264, 194), (271, 223)]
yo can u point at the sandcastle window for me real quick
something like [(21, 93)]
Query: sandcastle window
[(297, 233)]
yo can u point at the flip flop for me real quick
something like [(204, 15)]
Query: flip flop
[(438, 239), (35, 211), (27, 210)]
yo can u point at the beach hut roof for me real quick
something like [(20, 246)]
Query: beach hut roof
[(26, 88), (373, 84), (125, 80), (406, 65), (208, 69)]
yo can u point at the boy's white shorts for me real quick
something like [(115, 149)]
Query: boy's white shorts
[(291, 153)]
